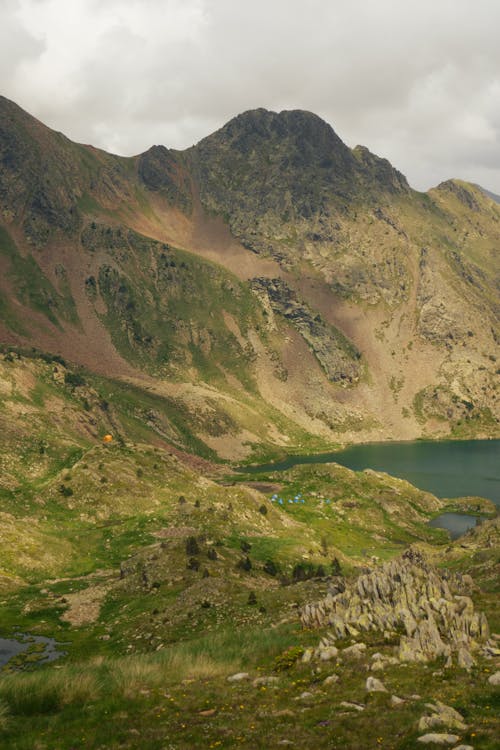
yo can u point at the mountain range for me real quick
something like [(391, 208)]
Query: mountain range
[(269, 287)]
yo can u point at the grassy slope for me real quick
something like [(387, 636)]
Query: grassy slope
[(151, 637)]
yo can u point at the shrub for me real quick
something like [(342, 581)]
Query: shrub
[(212, 553), (263, 510), (271, 568), (336, 569), (74, 379), (252, 599), (245, 546), (288, 658), (192, 546), (65, 491), (193, 564), (244, 564)]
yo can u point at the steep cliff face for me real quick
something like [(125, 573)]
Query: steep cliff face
[(297, 279)]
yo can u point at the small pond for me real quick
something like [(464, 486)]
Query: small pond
[(456, 524), (25, 649)]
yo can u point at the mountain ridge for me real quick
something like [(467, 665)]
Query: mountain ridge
[(331, 250)]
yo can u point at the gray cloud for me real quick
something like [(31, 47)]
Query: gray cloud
[(417, 82)]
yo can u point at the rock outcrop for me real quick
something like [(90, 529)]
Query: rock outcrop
[(409, 598), (338, 357)]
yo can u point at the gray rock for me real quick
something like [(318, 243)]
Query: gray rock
[(354, 706), (375, 686), (463, 747), (331, 679), (238, 677), (395, 701), (442, 716), (307, 655), (465, 659), (354, 652), (438, 739), (494, 679), (327, 653), (405, 593)]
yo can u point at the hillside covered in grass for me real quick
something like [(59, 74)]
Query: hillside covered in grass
[(161, 575)]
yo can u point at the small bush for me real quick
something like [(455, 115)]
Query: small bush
[(192, 546), (244, 564), (193, 564), (271, 568), (212, 553), (263, 510), (288, 658), (245, 546), (65, 491), (74, 379), (336, 569), (252, 599)]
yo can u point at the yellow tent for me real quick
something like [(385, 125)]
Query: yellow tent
[(107, 439)]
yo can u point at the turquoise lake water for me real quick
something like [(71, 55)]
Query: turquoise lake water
[(447, 469)]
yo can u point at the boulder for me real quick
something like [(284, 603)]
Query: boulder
[(438, 739), (395, 701), (442, 716), (327, 653), (238, 677), (331, 679), (354, 652), (375, 686), (353, 706)]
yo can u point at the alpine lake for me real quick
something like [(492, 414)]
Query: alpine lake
[(448, 469)]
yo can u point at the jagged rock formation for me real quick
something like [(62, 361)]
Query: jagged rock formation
[(409, 597), (338, 357)]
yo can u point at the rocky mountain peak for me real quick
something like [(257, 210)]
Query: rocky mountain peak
[(379, 171), (289, 140)]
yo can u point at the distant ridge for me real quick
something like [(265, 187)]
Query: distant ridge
[(493, 196)]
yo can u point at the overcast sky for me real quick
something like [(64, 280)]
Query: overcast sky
[(417, 81)]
